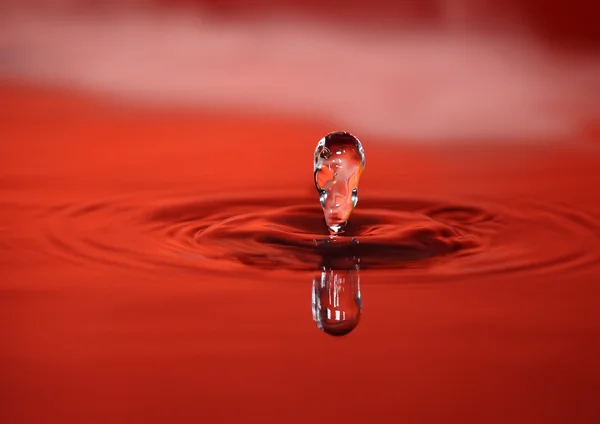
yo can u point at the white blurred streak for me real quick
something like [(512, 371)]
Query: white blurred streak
[(427, 85)]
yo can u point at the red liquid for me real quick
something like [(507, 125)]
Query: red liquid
[(144, 281)]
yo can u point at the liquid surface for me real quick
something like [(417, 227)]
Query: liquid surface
[(267, 234), (143, 283)]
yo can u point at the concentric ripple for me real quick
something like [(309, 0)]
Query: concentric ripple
[(265, 233), (294, 237)]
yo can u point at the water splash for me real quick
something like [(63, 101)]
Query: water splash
[(339, 163)]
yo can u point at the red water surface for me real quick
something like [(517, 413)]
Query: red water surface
[(108, 314)]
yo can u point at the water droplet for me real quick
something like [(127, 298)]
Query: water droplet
[(339, 163), (336, 302)]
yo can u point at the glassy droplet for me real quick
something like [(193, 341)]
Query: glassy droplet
[(339, 163), (336, 302)]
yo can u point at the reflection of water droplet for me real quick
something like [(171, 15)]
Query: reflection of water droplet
[(339, 163), (336, 301)]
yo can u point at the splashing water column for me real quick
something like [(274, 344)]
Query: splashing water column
[(338, 164)]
